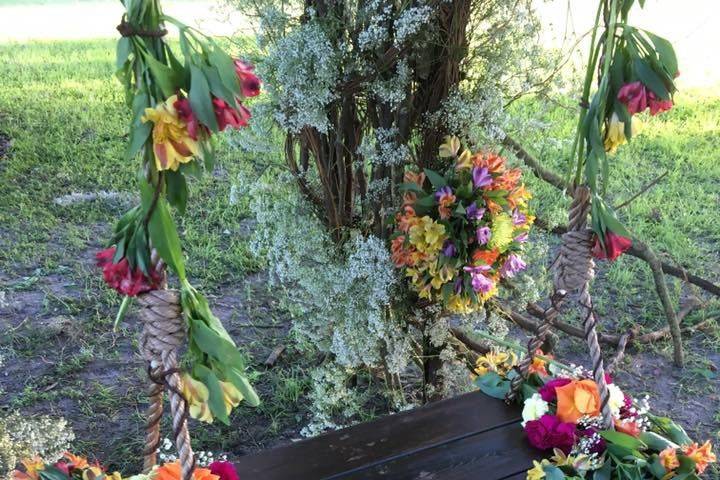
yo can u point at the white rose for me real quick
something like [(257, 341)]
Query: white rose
[(534, 408), (617, 398)]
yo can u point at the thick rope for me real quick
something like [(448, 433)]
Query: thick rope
[(574, 271), (535, 343), (162, 335)]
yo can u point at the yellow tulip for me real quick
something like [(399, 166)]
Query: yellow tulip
[(450, 147), (615, 132), (172, 143), (197, 395), (231, 395)]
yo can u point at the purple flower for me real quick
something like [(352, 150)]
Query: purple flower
[(458, 286), (483, 235), (480, 283), (443, 191), (518, 218), (449, 249), (512, 265), (481, 177), (522, 238), (549, 432), (473, 212)]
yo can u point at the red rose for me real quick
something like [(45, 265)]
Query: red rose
[(615, 245), (549, 432), (224, 470)]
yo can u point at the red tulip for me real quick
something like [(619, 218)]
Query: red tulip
[(228, 116), (182, 105), (615, 245), (634, 96), (249, 82), (126, 281)]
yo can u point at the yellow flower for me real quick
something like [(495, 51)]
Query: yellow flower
[(464, 161), (172, 143), (197, 395), (427, 236), (33, 466), (497, 361), (502, 232), (450, 147), (459, 304), (615, 132), (231, 395), (91, 473), (537, 472)]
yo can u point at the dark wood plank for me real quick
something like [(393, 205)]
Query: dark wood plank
[(498, 454), (383, 439)]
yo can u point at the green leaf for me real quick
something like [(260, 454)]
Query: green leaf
[(622, 439), (666, 53), (165, 239), (656, 442), (139, 131), (216, 402), (553, 473), (410, 187), (200, 99), (242, 384), (122, 52), (51, 472), (177, 191), (426, 201), (493, 385), (650, 79), (437, 180), (655, 467), (214, 345), (218, 88), (687, 464), (670, 429), (164, 76), (226, 69)]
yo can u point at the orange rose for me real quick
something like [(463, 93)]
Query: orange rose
[(171, 471), (702, 456), (669, 460), (577, 399)]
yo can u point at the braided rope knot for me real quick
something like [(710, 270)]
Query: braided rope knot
[(162, 335), (575, 265)]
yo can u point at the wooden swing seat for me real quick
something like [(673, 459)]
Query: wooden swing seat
[(471, 436)]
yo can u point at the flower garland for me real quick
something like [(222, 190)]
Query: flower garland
[(74, 467), (636, 72), (177, 107), (561, 414), (458, 235)]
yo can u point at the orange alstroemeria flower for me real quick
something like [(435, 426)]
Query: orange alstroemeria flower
[(75, 461), (400, 255), (519, 196), (669, 459), (485, 257), (413, 177), (577, 399), (492, 161), (701, 455), (539, 365), (33, 466), (508, 180), (628, 427), (172, 471)]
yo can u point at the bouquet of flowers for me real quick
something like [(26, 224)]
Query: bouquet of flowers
[(74, 467), (459, 234), (561, 414), (177, 105)]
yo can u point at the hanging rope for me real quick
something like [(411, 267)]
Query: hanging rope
[(574, 271), (162, 335)]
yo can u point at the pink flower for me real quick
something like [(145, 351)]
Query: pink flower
[(224, 470), (249, 82), (634, 96), (549, 432), (547, 391), (182, 105), (512, 265), (229, 117), (483, 235), (480, 283), (615, 245)]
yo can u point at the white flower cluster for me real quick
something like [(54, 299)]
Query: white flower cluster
[(393, 91), (410, 21), (376, 33), (27, 436), (383, 148), (167, 454), (478, 117), (301, 73)]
